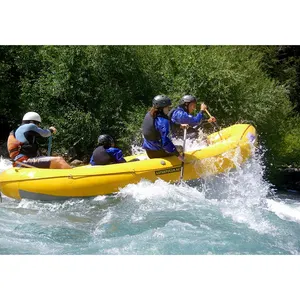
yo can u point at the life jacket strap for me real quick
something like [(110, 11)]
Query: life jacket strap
[(15, 149)]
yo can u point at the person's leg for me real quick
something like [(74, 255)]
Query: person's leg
[(48, 162), (58, 162), (39, 162)]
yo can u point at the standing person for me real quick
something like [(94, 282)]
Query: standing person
[(182, 116), (22, 145), (106, 153), (156, 130)]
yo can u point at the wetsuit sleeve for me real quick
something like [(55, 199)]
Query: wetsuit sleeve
[(162, 125), (182, 117), (39, 131), (117, 154)]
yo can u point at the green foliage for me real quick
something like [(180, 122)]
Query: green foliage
[(286, 149), (85, 91), (9, 84), (283, 64), (131, 132)]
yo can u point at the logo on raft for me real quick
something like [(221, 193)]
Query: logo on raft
[(167, 171), (251, 137)]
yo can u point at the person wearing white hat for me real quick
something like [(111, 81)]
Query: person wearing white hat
[(23, 147)]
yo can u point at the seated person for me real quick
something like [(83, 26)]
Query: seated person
[(182, 115), (106, 153), (156, 130), (23, 148)]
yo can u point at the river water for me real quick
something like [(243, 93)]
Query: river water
[(234, 213)]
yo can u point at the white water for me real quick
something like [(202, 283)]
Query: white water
[(234, 213)]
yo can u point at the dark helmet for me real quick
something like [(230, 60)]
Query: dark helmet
[(105, 140), (187, 99), (161, 101)]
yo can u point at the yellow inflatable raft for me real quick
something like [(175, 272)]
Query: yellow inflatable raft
[(226, 149)]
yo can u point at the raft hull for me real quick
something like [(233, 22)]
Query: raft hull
[(227, 149)]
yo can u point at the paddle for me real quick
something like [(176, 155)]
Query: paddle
[(182, 163), (72, 151), (49, 145), (214, 124), (23, 164)]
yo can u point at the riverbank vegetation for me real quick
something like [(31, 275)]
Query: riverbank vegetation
[(87, 90)]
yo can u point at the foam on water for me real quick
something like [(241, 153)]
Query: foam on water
[(232, 213), (4, 164), (289, 212)]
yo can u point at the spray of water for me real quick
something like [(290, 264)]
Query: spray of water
[(228, 213), (4, 164)]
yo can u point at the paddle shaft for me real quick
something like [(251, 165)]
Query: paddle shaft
[(182, 163), (23, 164), (49, 145), (218, 127)]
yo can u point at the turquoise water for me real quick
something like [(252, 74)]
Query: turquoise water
[(234, 213)]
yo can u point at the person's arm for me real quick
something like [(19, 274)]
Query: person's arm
[(163, 127), (39, 131), (117, 154), (182, 117)]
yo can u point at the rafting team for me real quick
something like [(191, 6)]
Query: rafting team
[(158, 124)]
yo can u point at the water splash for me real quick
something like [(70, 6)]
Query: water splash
[(4, 164), (232, 213), (135, 150), (285, 211)]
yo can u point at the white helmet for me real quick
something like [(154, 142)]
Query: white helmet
[(32, 116)]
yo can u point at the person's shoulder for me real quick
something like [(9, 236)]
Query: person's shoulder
[(29, 126), (113, 149), (178, 110), (163, 121)]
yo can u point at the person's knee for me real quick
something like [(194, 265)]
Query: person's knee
[(58, 162), (63, 163)]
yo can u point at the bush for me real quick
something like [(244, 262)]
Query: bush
[(89, 90)]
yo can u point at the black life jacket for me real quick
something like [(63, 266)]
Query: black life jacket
[(31, 148), (101, 157), (15, 147), (150, 133)]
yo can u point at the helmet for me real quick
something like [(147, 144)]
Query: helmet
[(187, 99), (161, 101), (32, 116), (105, 140)]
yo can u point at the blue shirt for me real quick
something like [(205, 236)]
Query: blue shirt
[(180, 116), (162, 125)]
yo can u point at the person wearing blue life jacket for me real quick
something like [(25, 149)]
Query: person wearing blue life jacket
[(106, 153), (23, 148), (181, 116), (156, 130)]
